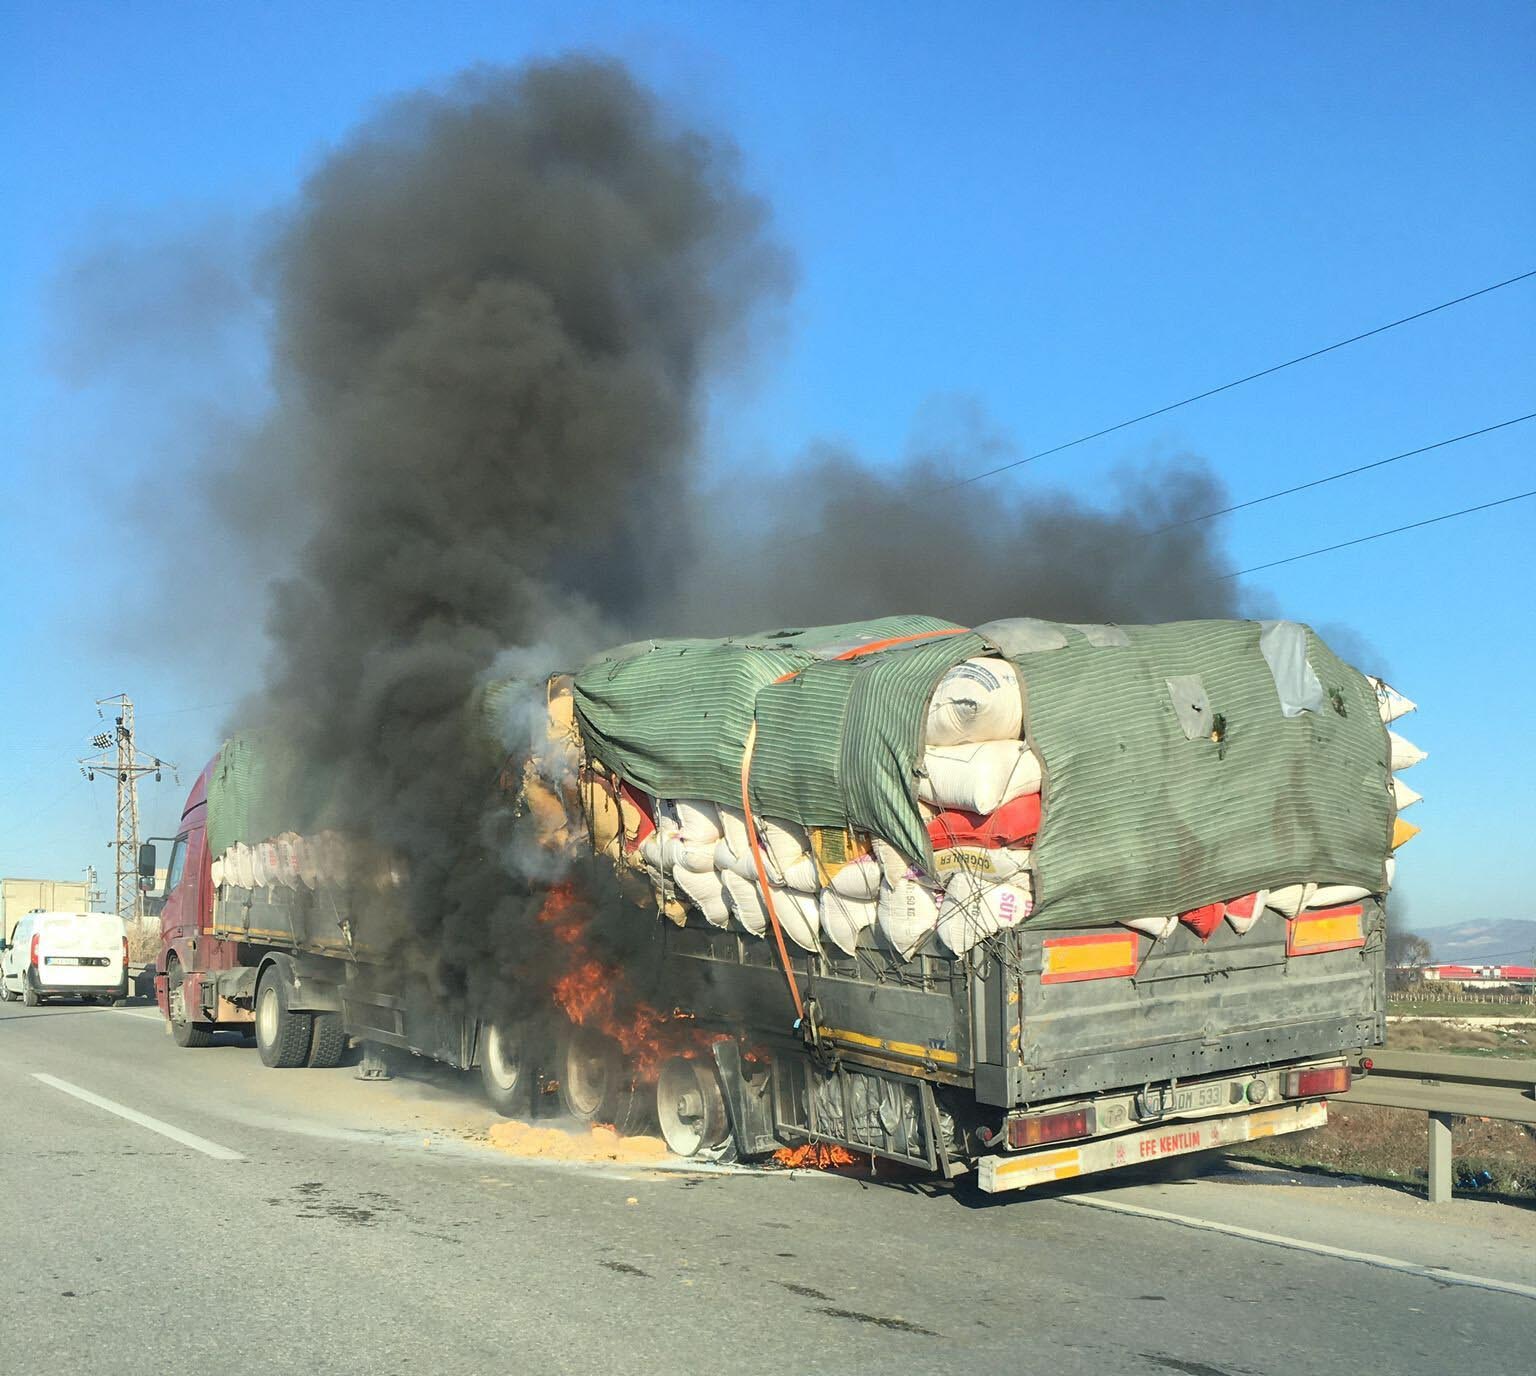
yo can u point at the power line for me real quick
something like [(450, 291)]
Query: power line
[(1343, 473), (1237, 382), (1382, 534)]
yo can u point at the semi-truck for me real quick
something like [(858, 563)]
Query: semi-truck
[(1189, 954)]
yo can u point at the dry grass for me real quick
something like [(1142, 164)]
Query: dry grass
[(143, 943), (1393, 1144)]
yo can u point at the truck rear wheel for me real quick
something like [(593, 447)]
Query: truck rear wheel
[(503, 1072), (690, 1108), (597, 1084), (183, 1031), (328, 1042), (282, 1036)]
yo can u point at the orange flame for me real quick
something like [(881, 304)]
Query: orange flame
[(816, 1156), (594, 994)]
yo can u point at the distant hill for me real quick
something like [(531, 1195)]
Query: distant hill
[(1508, 939)]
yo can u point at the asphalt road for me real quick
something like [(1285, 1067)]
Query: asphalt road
[(306, 1221)]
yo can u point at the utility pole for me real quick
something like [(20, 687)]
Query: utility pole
[(121, 759), (92, 893)]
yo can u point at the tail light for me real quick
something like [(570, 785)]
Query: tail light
[(1052, 1127), (125, 953), (34, 950), (1308, 1084)]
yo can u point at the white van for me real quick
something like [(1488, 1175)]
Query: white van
[(65, 955)]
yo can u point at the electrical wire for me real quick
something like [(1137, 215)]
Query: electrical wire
[(1334, 477), (1382, 534), (1236, 382)]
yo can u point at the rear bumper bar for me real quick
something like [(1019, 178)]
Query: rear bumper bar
[(1017, 1171)]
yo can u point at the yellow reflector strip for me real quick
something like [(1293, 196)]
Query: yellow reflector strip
[(1064, 1163), (1328, 929), (922, 1053), (1403, 831), (1101, 955)]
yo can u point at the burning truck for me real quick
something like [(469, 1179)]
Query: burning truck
[(1027, 898)]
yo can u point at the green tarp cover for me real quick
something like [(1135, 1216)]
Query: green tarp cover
[(258, 790), (1145, 814), (837, 744), (1142, 821)]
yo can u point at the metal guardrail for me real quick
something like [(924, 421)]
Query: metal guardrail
[(1446, 1087)]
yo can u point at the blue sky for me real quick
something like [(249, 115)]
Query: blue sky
[(1062, 215)]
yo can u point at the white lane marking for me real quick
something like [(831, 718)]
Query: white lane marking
[(187, 1139), (1322, 1249), (138, 1013)]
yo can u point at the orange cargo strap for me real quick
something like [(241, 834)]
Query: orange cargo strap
[(762, 872), (746, 803)]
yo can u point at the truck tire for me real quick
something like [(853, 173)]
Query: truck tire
[(183, 1031), (328, 1042), (597, 1084), (282, 1036), (504, 1070)]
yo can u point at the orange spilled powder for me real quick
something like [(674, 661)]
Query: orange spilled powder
[(598, 1143), (816, 1156)]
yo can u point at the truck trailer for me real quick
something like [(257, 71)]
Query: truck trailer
[(1158, 928)]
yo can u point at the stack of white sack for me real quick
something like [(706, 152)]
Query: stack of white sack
[(292, 861), (836, 885)]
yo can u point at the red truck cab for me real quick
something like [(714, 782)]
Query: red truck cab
[(188, 953)]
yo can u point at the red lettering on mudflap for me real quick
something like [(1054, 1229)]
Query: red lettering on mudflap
[(1170, 1142)]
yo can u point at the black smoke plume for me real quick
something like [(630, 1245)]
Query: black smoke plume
[(493, 312)]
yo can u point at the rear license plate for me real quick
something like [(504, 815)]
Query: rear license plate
[(61, 960), (1186, 1100)]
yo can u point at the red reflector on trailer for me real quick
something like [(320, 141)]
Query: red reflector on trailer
[(1323, 1079), (1098, 955), (1051, 1127)]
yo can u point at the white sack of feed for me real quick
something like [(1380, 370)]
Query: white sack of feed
[(975, 907), (978, 700), (1405, 754), (707, 893), (980, 777), (1404, 796), (309, 863), (1242, 913), (216, 871), (907, 912), (1155, 927), (985, 862), (727, 860), (859, 880), (845, 861), (1391, 868), (798, 915), (1333, 895), (785, 843), (1291, 899), (746, 902), (679, 853), (653, 851), (843, 918), (1389, 702), (698, 820)]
